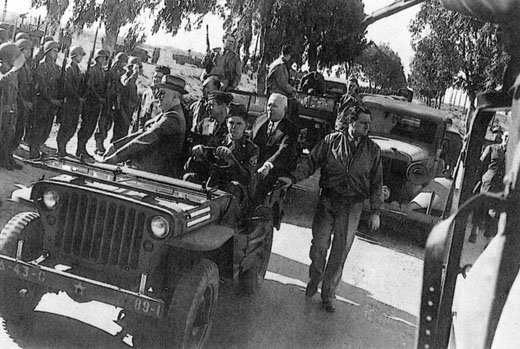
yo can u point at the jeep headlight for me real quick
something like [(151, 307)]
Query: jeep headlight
[(51, 199), (417, 173), (160, 227)]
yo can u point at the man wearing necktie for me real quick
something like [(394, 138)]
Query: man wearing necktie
[(351, 171), (276, 136)]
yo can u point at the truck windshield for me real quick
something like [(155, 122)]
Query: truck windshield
[(393, 125)]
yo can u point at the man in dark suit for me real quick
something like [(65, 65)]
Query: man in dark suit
[(276, 136)]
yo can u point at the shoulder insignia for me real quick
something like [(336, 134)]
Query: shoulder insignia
[(253, 160)]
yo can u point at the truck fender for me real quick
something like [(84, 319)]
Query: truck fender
[(22, 195), (207, 238)]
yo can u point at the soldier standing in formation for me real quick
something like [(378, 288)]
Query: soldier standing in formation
[(11, 60), (73, 102), (25, 92), (112, 110), (47, 76), (95, 101)]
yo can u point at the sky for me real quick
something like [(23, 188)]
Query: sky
[(392, 30)]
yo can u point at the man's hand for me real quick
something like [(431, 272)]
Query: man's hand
[(287, 182), (264, 170), (374, 222), (198, 150), (224, 153)]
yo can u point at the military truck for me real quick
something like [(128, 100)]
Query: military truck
[(152, 245)]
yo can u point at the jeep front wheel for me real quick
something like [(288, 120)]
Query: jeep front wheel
[(194, 300), (18, 298)]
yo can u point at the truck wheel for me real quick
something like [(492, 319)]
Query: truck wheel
[(18, 298), (251, 279), (194, 300)]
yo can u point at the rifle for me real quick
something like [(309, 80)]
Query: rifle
[(91, 56), (208, 59), (62, 87)]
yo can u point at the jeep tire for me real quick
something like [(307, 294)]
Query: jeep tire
[(18, 298), (251, 279), (190, 315)]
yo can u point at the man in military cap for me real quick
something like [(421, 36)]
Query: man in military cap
[(26, 93), (11, 60), (129, 98), (236, 150), (199, 108), (96, 87), (74, 99), (47, 76), (157, 148), (114, 95), (211, 129)]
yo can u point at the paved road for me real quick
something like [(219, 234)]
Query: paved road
[(378, 299)]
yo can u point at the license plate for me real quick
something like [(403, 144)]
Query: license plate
[(20, 271)]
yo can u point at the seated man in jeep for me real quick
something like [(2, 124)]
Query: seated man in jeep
[(234, 159)]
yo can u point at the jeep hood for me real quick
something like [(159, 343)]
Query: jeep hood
[(399, 149)]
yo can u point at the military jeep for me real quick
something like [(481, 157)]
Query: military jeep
[(411, 137), (152, 245)]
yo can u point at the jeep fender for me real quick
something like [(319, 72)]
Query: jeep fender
[(22, 195), (207, 238)]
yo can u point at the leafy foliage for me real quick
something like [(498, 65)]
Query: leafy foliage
[(382, 66), (460, 46)]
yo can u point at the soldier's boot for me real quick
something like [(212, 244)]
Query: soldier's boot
[(13, 163), (62, 152), (81, 152), (34, 152), (100, 148)]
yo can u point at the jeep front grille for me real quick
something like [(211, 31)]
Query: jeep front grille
[(100, 229)]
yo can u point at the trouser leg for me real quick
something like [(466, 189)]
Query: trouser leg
[(68, 126), (42, 125), (345, 227), (322, 226), (21, 125), (121, 124), (89, 120), (104, 124)]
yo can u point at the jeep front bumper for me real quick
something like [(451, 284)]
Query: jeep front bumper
[(81, 287)]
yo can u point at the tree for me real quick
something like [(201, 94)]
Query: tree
[(471, 41), (382, 66)]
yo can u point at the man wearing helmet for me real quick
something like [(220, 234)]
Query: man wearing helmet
[(73, 99), (129, 98), (113, 108), (47, 76), (95, 100), (11, 60), (25, 92)]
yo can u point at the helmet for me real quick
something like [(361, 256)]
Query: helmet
[(76, 50), (121, 57), (134, 60), (23, 43), (50, 45), (46, 39), (101, 53), (21, 35), (9, 52)]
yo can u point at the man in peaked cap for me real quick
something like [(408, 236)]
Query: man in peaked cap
[(112, 110), (47, 76), (11, 60), (157, 148), (74, 99), (199, 108), (96, 87), (150, 108), (26, 94)]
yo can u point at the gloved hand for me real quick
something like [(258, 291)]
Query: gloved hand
[(198, 150), (374, 222), (286, 181)]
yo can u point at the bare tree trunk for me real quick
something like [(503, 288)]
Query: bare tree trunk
[(312, 57), (109, 41)]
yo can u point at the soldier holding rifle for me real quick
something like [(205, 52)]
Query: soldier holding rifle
[(26, 92), (73, 87), (226, 60)]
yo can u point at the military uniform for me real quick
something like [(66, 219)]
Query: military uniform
[(73, 87), (47, 76), (26, 93), (94, 104), (113, 109), (8, 114), (209, 132), (229, 62), (129, 102)]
